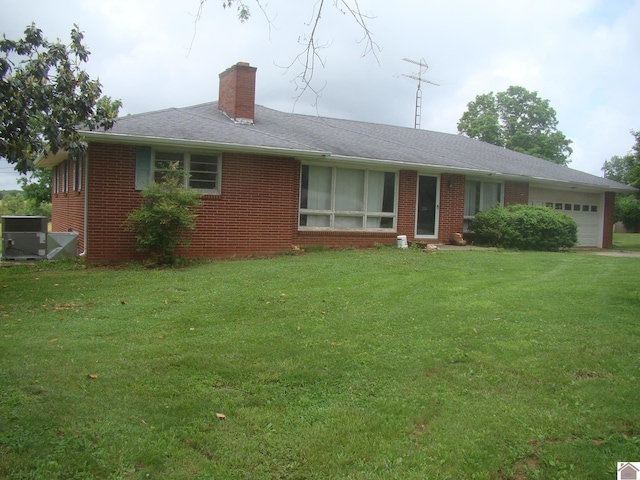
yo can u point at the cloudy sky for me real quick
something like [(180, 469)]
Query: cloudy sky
[(581, 55)]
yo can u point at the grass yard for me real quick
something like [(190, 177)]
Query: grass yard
[(626, 241), (337, 365)]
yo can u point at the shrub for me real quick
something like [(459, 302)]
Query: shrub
[(165, 218), (628, 211), (525, 227)]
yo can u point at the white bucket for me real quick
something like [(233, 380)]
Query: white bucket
[(402, 241)]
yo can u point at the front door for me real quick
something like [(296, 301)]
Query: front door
[(427, 209)]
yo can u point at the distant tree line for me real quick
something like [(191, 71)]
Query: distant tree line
[(16, 202)]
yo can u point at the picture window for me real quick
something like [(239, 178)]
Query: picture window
[(347, 199)]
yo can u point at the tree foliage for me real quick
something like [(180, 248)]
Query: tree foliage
[(36, 185), (625, 169), (165, 218), (45, 96), (519, 120), (525, 227), (628, 212), (18, 203)]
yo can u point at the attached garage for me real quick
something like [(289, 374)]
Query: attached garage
[(586, 208)]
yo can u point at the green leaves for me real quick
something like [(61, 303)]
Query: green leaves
[(525, 227), (242, 9), (628, 212), (46, 96), (165, 218), (518, 120), (625, 169)]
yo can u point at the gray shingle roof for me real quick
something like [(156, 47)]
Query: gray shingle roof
[(346, 139)]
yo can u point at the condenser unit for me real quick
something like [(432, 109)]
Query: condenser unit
[(24, 237)]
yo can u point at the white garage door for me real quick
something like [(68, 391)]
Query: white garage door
[(585, 208)]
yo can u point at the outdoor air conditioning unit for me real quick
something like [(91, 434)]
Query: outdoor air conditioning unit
[(24, 237)]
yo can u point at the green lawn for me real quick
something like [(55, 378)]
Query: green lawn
[(626, 241), (337, 365)]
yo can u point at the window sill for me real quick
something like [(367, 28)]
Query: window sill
[(346, 233)]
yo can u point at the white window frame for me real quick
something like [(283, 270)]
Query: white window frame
[(483, 181), (55, 179), (79, 168), (186, 165), (332, 213), (65, 176)]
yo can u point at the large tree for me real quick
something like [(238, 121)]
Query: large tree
[(45, 96), (626, 168), (519, 120)]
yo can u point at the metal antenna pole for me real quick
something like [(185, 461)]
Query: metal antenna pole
[(423, 68), (416, 122)]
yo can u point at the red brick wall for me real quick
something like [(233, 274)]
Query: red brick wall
[(609, 219), (451, 206), (67, 208), (255, 214), (345, 239), (111, 198), (516, 193), (407, 200)]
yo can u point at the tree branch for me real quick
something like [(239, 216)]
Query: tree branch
[(310, 56)]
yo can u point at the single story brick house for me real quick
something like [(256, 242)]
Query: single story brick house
[(272, 180)]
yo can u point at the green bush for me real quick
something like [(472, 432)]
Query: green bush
[(628, 212), (525, 227), (165, 218)]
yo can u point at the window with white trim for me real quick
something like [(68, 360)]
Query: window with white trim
[(55, 179), (65, 176), (479, 196), (201, 171), (336, 198), (79, 179)]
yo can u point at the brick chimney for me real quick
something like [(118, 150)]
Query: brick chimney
[(237, 93)]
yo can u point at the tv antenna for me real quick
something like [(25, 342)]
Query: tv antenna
[(423, 69)]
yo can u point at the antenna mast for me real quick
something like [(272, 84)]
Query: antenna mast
[(423, 69)]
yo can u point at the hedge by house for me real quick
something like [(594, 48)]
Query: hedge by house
[(525, 227)]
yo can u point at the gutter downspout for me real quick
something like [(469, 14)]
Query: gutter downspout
[(86, 204)]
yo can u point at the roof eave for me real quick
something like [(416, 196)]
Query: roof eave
[(549, 182), (49, 159), (107, 137), (409, 165), (578, 186)]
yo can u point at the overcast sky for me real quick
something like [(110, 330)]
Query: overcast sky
[(581, 55)]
